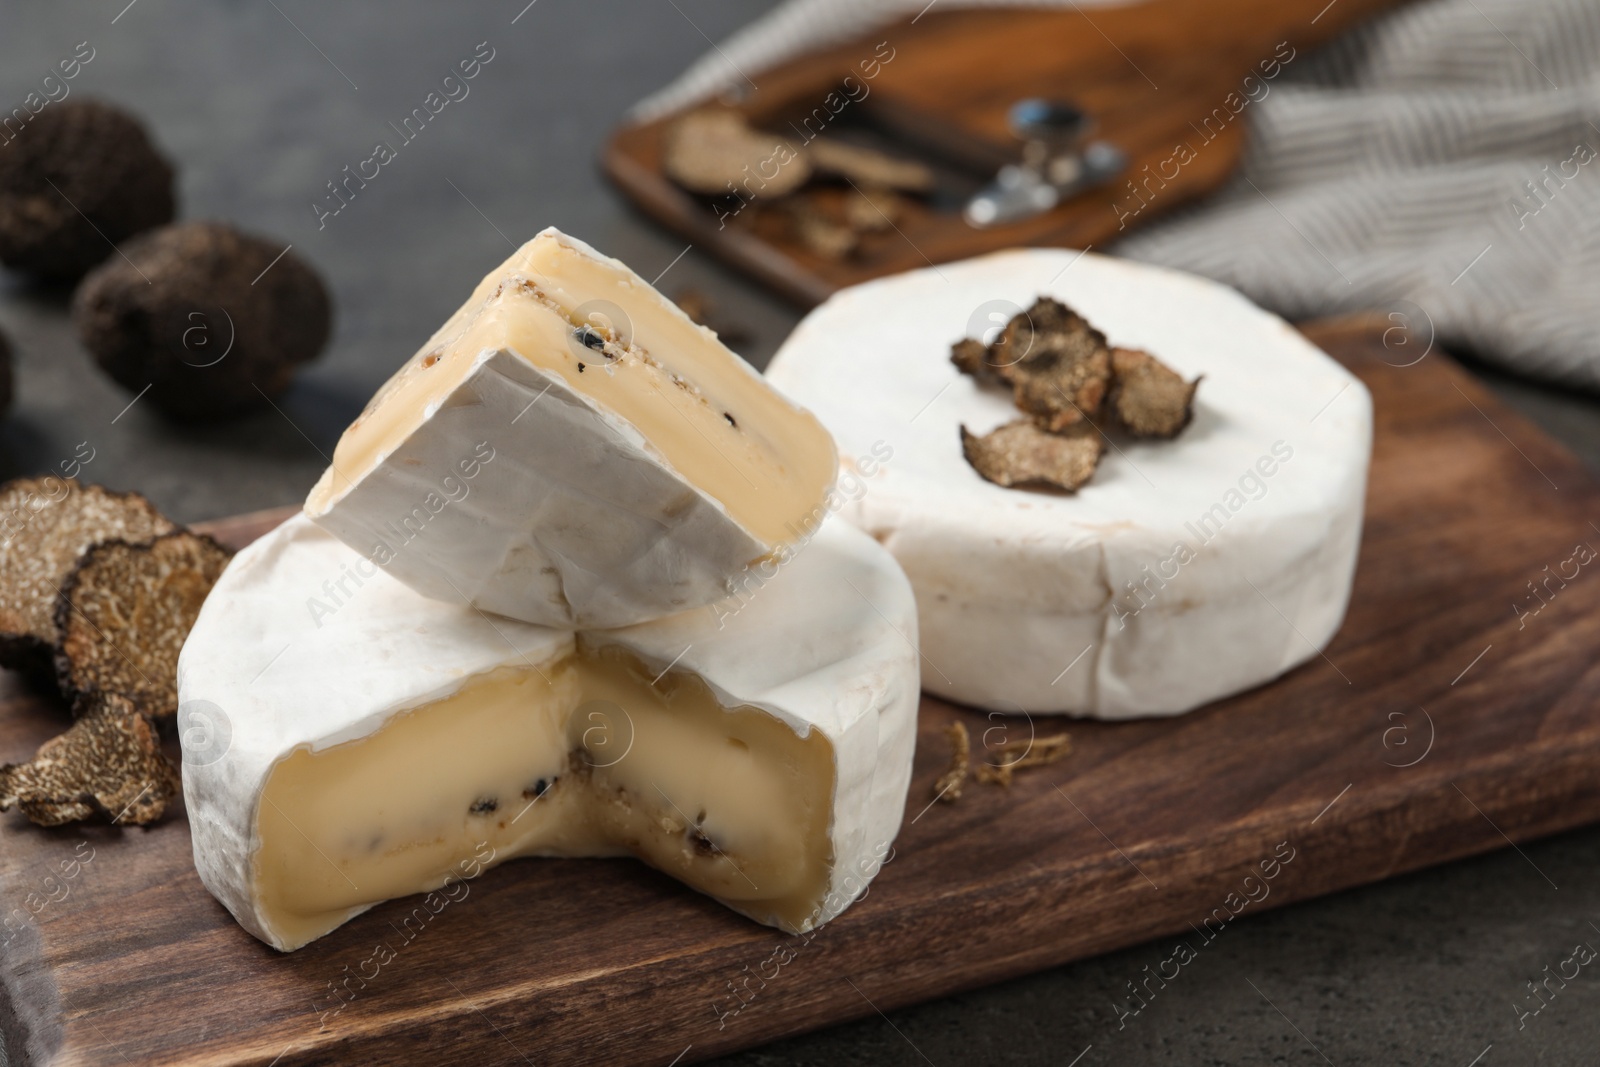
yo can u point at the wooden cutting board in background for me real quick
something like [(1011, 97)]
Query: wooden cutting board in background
[(1150, 73), (1437, 725)]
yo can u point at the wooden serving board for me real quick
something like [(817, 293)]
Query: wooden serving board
[(115, 954), (1156, 75)]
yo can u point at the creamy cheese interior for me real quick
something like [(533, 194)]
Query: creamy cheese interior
[(613, 338), (589, 756)]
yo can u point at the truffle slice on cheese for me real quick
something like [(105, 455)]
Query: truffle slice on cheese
[(1183, 571), (570, 449), (342, 754)]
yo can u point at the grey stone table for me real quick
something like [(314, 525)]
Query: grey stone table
[(262, 104)]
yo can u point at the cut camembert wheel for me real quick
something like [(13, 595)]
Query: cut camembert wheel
[(335, 757), (571, 449), (1183, 571)]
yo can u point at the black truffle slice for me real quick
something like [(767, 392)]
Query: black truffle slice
[(1148, 398), (124, 613), (1021, 455), (715, 152), (214, 321), (108, 763), (79, 178), (1059, 366), (45, 525)]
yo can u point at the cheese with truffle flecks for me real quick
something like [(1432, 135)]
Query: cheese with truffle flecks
[(570, 449), (342, 758), (1184, 570)]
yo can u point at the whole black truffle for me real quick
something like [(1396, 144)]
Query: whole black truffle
[(212, 320), (80, 177)]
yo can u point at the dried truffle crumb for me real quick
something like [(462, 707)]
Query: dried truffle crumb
[(731, 420), (45, 525), (715, 152), (538, 789), (108, 763), (484, 806), (1148, 398), (213, 321), (1020, 755), (948, 786), (588, 337), (1020, 454), (125, 611), (82, 178)]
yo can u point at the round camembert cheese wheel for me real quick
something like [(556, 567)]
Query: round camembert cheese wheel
[(1184, 571), (347, 740)]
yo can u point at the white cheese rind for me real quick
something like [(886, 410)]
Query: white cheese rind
[(1022, 595), (828, 644), (575, 520)]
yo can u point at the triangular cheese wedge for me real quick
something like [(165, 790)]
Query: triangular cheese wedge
[(570, 449)]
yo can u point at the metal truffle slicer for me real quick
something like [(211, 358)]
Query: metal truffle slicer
[(1058, 161)]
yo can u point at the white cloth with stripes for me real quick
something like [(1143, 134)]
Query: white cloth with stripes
[(1441, 162)]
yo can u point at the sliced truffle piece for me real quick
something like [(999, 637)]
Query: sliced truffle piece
[(124, 614), (1148, 398), (213, 321), (1058, 365), (868, 166), (81, 178), (714, 152), (45, 525), (1021, 455), (108, 763)]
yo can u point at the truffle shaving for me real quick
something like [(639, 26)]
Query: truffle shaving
[(714, 152), (108, 763), (1148, 398), (125, 612), (868, 166), (1021, 454), (1058, 365), (45, 525)]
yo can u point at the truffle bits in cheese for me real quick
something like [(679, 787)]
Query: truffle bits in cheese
[(763, 760), (570, 449), (1184, 570)]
